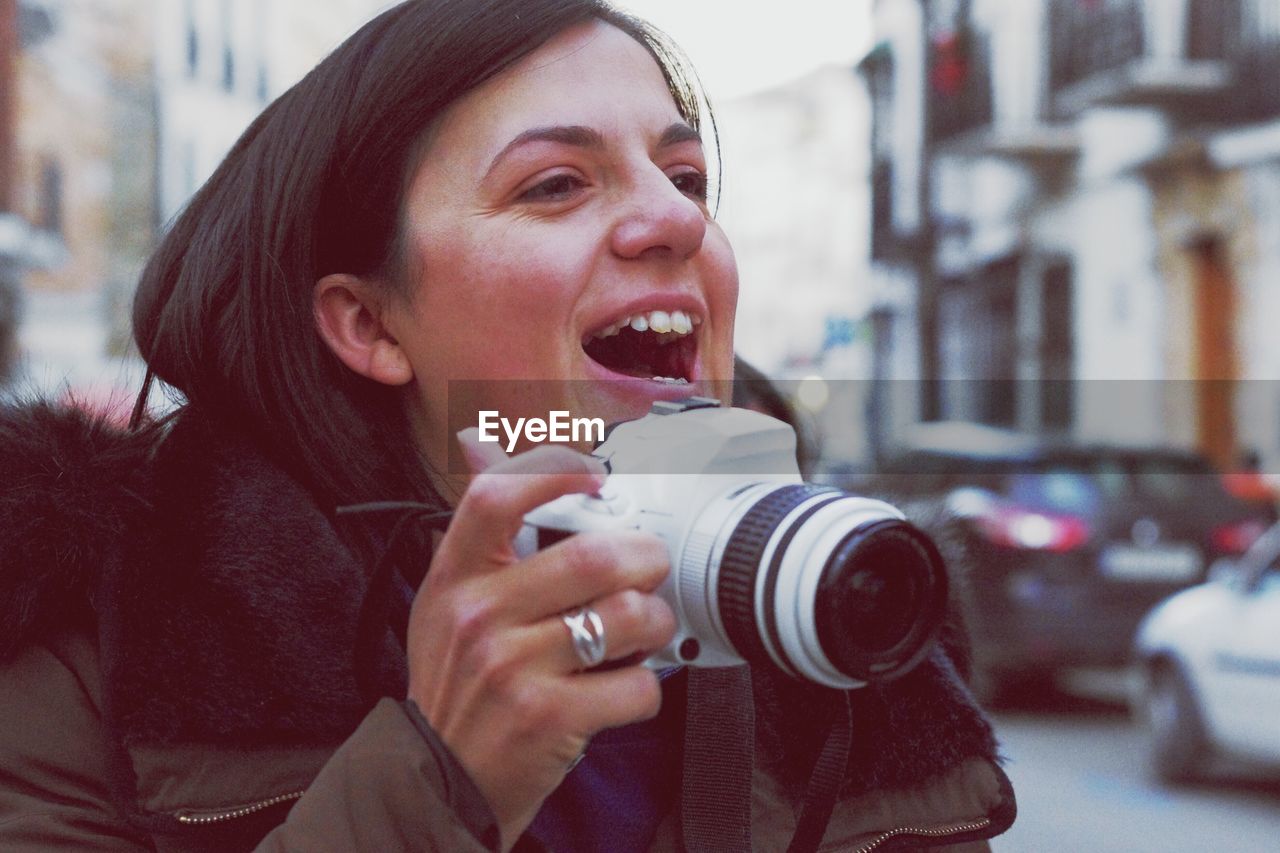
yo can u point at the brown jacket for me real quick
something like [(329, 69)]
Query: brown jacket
[(381, 790), (176, 628)]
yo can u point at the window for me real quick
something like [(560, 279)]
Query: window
[(260, 28), (228, 53), (50, 201), (1060, 489), (193, 41), (1057, 346), (879, 72), (34, 26), (1269, 580)]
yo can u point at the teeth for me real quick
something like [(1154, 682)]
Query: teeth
[(670, 381), (677, 323)]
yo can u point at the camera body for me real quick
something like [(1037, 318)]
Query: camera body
[(765, 568)]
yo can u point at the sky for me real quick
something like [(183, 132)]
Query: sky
[(741, 46)]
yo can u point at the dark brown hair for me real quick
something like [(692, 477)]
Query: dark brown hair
[(315, 186)]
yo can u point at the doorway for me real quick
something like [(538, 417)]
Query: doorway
[(1215, 357)]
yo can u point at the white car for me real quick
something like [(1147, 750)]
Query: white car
[(1210, 661)]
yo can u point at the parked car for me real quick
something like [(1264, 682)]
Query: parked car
[(1210, 661), (1068, 545)]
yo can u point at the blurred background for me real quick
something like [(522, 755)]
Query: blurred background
[(1010, 257)]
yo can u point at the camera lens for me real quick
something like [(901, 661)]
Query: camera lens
[(828, 586), (880, 599)]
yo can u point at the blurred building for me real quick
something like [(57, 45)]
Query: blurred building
[(13, 230), (74, 68), (795, 206), (117, 110), (1079, 197), (219, 62)]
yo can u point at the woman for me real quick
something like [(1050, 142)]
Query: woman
[(222, 631)]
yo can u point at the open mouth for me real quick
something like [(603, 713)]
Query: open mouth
[(657, 345)]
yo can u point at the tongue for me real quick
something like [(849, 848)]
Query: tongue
[(669, 361), (642, 371)]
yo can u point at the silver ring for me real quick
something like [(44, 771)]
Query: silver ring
[(586, 629)]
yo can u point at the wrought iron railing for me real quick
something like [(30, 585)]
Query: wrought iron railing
[(1213, 29), (1255, 55), (1090, 37)]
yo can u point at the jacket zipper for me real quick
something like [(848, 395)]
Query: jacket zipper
[(239, 811), (926, 833)]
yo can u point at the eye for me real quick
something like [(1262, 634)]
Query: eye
[(692, 183), (555, 188)]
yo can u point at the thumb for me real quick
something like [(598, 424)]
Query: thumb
[(479, 454)]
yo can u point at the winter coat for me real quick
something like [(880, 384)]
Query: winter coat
[(177, 623)]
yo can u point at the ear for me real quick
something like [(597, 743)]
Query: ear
[(348, 312)]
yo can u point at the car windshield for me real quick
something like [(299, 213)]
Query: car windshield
[(1081, 485)]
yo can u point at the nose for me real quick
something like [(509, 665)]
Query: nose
[(658, 220)]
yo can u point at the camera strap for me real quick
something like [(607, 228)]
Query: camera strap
[(719, 758), (719, 754), (375, 608), (824, 782)]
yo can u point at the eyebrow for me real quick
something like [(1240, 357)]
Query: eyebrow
[(586, 137)]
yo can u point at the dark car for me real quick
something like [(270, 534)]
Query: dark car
[(1069, 546)]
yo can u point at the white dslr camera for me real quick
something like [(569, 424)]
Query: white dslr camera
[(765, 568)]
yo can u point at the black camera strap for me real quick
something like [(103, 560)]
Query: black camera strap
[(719, 757), (719, 754), (824, 782), (375, 608)]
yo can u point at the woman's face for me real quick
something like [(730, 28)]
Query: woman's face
[(554, 204)]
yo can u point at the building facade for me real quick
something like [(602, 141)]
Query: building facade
[(81, 183), (1082, 196), (117, 111), (219, 62)]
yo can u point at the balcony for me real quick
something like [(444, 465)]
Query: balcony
[(1256, 62), (1189, 58), (969, 116)]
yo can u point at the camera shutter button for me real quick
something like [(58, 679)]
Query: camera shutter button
[(607, 502)]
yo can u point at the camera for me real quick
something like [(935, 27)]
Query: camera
[(766, 569)]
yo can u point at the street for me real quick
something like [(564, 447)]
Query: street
[(1077, 763)]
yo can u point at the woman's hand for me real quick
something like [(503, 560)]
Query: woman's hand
[(491, 662)]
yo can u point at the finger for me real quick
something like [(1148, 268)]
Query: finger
[(479, 455), (580, 569), (493, 507), (611, 698), (632, 622)]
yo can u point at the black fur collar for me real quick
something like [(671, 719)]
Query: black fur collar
[(240, 598), (71, 488), (230, 601)]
